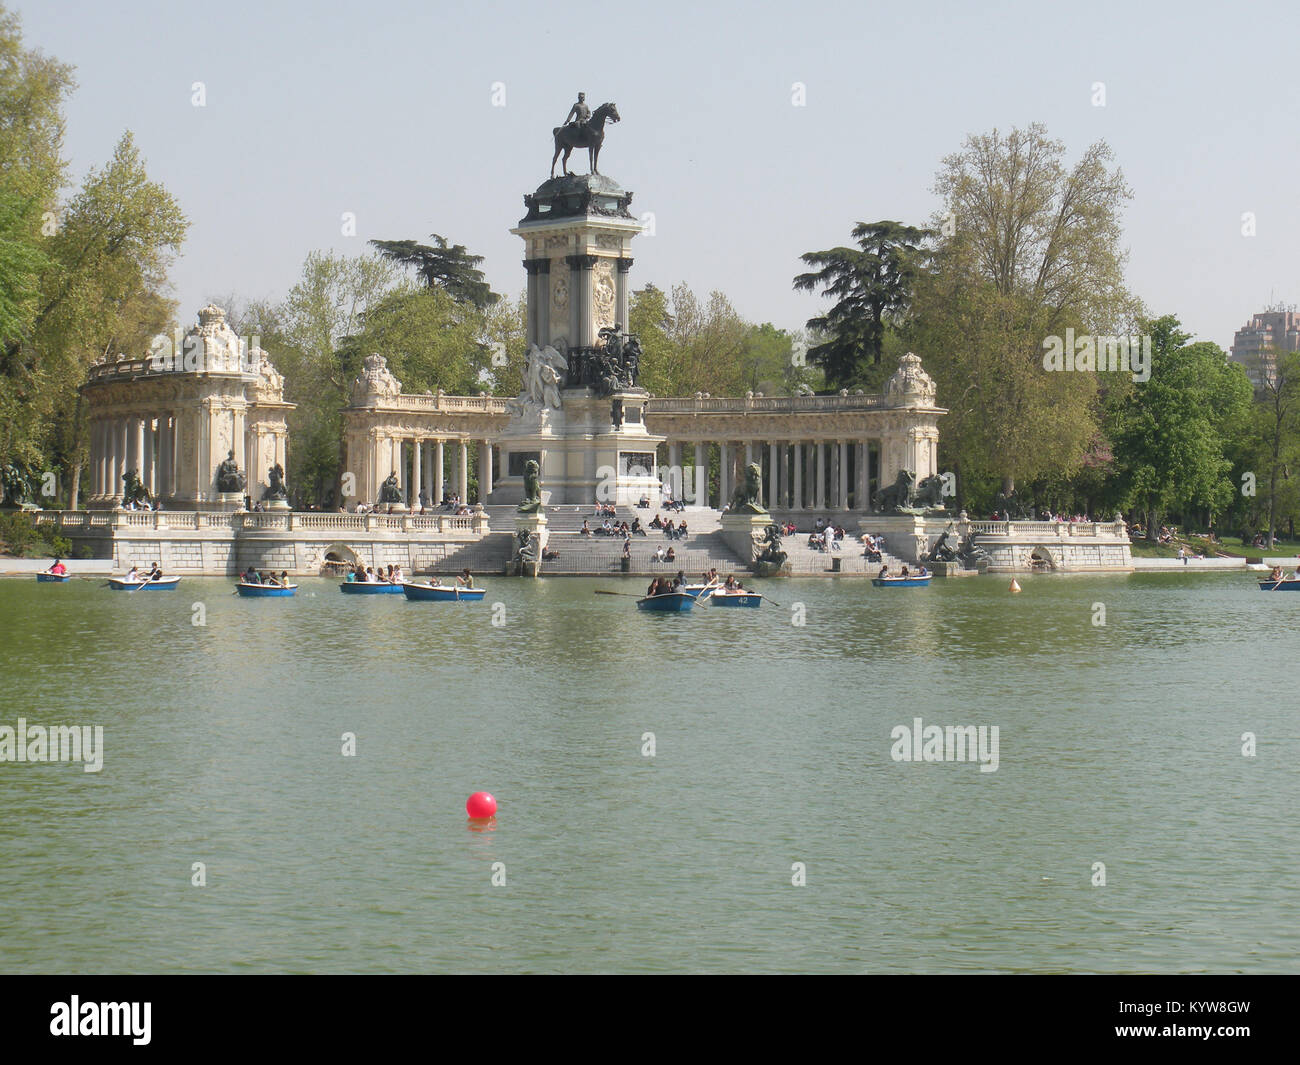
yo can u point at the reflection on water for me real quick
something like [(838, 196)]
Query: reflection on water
[(223, 745)]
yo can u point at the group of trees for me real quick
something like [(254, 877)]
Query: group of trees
[(81, 274), (1027, 250), (1025, 247)]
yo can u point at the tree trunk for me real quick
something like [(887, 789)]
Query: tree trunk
[(74, 493)]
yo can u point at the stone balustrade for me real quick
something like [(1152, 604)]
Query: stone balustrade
[(475, 524)]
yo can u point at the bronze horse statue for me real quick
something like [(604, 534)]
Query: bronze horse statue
[(589, 135)]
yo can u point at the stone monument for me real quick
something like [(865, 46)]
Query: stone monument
[(580, 413)]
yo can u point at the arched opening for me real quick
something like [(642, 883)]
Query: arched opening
[(1040, 560), (338, 557)]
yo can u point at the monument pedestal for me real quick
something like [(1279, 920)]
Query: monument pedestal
[(227, 502), (535, 526), (739, 531), (277, 504), (907, 536), (584, 456)]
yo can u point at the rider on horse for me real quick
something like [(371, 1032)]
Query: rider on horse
[(579, 112)]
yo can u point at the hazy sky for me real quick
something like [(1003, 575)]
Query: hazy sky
[(385, 109)]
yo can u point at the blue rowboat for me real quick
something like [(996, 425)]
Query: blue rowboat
[(162, 584), (694, 590), (448, 594), (370, 588), (265, 591), (667, 603), (730, 599), (52, 578), (901, 582), (1279, 586)]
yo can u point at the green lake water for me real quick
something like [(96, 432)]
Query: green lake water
[(1119, 744)]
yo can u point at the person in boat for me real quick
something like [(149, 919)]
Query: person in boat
[(251, 576), (132, 575), (1275, 574), (269, 578), (729, 584), (679, 582), (59, 569), (466, 579), (922, 572), (654, 587), (155, 572), (884, 573), (398, 576)]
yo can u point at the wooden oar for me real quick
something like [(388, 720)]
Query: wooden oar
[(630, 595), (769, 599)]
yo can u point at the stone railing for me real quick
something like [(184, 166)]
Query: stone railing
[(765, 404), (263, 521), (445, 404), (1058, 529)]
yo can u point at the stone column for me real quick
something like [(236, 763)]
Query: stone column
[(485, 471), (844, 475), (417, 468), (863, 504), (724, 474), (97, 463), (149, 453), (620, 291), (131, 446), (701, 473), (463, 489), (820, 495), (439, 465), (796, 501), (533, 334), (772, 489), (544, 301)]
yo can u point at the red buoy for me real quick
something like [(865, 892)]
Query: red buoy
[(481, 805)]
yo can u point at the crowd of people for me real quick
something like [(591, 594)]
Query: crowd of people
[(360, 574), (255, 576), (672, 530)]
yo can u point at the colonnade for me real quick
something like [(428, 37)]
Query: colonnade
[(146, 444), (799, 475), (431, 467)]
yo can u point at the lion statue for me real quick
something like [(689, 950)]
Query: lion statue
[(748, 497), (532, 501), (893, 498)]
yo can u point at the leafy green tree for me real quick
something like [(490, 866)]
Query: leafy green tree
[(310, 344), (1028, 247), (1171, 433), (105, 292), (872, 287), (1276, 421), (688, 346), (441, 265)]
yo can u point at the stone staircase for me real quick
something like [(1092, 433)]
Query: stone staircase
[(703, 549)]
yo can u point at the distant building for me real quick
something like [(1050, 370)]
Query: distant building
[(1276, 329)]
